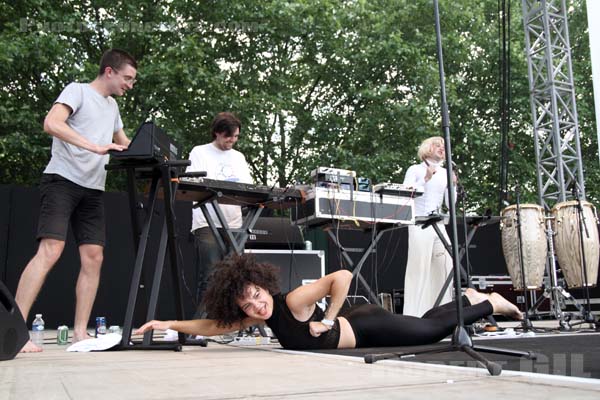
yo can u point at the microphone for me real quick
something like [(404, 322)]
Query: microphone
[(455, 170), (454, 167)]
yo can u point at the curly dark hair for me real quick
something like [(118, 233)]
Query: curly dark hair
[(228, 282)]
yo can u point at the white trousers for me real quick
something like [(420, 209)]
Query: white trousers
[(427, 268)]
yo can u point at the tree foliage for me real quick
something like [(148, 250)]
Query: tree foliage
[(346, 83)]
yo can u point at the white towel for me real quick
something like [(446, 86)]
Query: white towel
[(102, 342)]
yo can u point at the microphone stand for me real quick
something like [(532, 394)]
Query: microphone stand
[(526, 323), (461, 341), (587, 316), (461, 195)]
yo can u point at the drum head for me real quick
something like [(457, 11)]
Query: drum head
[(513, 207)]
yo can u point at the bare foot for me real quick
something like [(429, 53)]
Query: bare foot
[(78, 337), (31, 347), (475, 297), (504, 307)]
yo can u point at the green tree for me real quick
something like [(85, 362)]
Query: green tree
[(346, 83)]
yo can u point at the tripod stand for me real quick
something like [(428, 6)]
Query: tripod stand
[(555, 293), (461, 341)]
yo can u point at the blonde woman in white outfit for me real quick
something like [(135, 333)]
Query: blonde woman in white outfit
[(428, 263)]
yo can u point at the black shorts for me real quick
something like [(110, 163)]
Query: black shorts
[(63, 201)]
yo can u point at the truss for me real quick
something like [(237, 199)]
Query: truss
[(555, 126)]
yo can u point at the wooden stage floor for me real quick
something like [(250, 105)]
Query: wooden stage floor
[(262, 372)]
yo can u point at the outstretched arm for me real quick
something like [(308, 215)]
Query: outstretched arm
[(301, 301), (204, 327), (55, 124)]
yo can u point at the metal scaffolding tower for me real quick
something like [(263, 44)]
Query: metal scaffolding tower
[(555, 125)]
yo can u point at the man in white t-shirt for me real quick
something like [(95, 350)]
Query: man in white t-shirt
[(85, 124), (428, 263), (222, 162)]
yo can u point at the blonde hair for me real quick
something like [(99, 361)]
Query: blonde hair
[(425, 147)]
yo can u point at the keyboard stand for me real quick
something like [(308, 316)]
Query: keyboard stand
[(229, 239), (356, 268), (162, 175)]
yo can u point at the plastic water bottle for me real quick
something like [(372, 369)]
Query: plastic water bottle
[(37, 330)]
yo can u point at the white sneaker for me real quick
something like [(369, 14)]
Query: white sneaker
[(171, 335)]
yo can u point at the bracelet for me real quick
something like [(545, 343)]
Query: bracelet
[(328, 322)]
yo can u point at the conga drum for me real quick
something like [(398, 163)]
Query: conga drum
[(534, 244), (567, 242)]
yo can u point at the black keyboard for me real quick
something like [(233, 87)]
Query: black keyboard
[(237, 193), (150, 144)]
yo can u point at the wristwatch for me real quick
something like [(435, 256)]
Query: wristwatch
[(328, 322)]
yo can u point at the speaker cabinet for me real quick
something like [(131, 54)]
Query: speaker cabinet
[(296, 266), (13, 331)]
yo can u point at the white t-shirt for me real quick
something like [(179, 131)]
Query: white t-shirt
[(434, 189), (228, 165), (97, 119)]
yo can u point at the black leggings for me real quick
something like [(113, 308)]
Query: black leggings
[(375, 327)]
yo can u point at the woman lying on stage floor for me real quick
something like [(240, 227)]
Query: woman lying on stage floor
[(244, 293)]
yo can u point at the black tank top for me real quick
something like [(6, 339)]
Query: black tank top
[(294, 334)]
